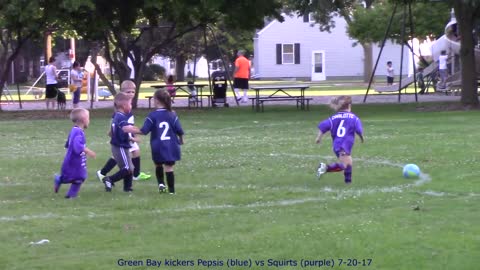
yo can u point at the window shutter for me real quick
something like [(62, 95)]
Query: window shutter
[(279, 54), (306, 18), (297, 53)]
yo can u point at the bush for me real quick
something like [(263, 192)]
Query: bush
[(153, 72)]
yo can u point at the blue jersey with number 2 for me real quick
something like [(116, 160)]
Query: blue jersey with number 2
[(343, 126), (165, 128)]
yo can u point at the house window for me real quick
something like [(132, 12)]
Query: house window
[(288, 53)]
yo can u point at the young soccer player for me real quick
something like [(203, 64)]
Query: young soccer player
[(127, 87), (165, 139), (120, 143), (343, 125), (74, 167)]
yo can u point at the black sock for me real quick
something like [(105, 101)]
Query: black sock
[(119, 175), (127, 182), (170, 182), (159, 174), (111, 163), (136, 165)]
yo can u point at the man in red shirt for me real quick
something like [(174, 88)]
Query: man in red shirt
[(241, 75)]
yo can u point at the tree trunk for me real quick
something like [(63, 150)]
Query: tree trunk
[(180, 67), (467, 54), (367, 62)]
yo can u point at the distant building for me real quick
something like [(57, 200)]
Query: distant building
[(297, 49)]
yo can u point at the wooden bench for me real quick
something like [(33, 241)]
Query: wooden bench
[(300, 101)]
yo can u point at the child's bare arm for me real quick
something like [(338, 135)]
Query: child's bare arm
[(319, 137), (89, 153), (180, 139), (131, 129)]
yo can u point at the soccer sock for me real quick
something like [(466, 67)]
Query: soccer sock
[(335, 167), (237, 93), (136, 165), (111, 163), (348, 174), (73, 190), (159, 174), (127, 182), (171, 182), (244, 93), (119, 175)]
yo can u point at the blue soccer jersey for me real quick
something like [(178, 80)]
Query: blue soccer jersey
[(343, 126), (165, 128), (118, 136), (74, 165)]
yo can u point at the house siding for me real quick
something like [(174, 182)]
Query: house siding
[(341, 58)]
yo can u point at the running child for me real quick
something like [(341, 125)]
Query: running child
[(165, 139), (74, 167), (343, 125), (120, 143), (127, 87)]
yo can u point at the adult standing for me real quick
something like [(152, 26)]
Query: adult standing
[(51, 90), (241, 75), (76, 77)]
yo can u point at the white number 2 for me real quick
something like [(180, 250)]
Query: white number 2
[(341, 130), (164, 136)]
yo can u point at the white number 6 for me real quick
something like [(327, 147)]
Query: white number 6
[(341, 130)]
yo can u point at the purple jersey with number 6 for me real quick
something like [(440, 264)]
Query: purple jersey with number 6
[(342, 126)]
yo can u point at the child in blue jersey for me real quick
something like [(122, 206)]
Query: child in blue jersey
[(343, 125), (74, 167), (120, 143), (165, 138)]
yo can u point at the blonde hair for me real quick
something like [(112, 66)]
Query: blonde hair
[(78, 114), (340, 103), (121, 99), (127, 84)]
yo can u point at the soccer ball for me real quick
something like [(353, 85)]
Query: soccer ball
[(411, 171)]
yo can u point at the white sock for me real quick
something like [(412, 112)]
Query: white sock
[(237, 92)]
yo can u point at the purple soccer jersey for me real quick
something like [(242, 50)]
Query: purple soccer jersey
[(74, 165), (343, 126)]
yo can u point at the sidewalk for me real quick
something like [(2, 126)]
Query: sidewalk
[(143, 103)]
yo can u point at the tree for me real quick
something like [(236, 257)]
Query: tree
[(19, 22), (467, 12), (136, 30)]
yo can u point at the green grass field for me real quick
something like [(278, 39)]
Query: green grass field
[(246, 190)]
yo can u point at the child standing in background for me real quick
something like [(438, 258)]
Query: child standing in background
[(120, 143), (165, 139), (390, 74), (170, 86), (343, 126), (74, 167)]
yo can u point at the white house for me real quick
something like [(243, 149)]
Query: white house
[(296, 48)]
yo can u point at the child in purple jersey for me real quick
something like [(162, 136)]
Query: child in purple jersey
[(166, 136), (74, 167), (343, 125)]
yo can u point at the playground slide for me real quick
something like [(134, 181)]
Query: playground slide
[(406, 81)]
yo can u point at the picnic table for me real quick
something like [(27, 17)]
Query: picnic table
[(281, 93), (196, 100)]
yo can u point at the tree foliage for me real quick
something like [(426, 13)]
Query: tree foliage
[(139, 29)]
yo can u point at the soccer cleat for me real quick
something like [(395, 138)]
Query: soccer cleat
[(107, 183), (57, 182), (100, 176), (144, 176), (322, 168), (162, 188)]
